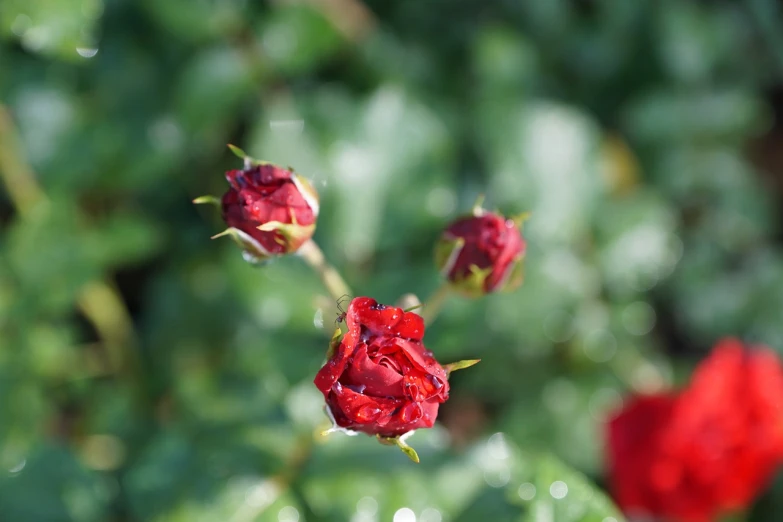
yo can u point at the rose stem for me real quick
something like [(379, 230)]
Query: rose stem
[(432, 306), (331, 278), (277, 485), (98, 300)]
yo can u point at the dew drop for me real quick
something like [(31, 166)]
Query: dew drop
[(18, 467), (87, 52), (318, 318), (411, 413), (367, 413)]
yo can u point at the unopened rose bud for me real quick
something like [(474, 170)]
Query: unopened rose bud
[(270, 210), (379, 378), (482, 253)]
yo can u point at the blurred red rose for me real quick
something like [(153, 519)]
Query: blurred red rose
[(283, 204), (481, 253), (709, 450), (381, 380)]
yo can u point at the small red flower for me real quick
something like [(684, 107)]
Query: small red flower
[(381, 380), (273, 210), (710, 449), (482, 253)]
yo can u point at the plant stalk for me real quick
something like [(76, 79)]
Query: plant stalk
[(331, 278)]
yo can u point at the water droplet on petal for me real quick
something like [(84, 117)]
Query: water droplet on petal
[(367, 413), (411, 413)]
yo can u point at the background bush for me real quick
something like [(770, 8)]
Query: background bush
[(149, 374)]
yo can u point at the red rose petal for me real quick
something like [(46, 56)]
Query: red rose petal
[(490, 241), (410, 326), (379, 380), (422, 359), (381, 352), (362, 409), (263, 194), (328, 375), (712, 450)]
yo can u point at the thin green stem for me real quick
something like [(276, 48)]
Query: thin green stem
[(331, 278), (433, 305), (268, 491), (102, 304), (99, 301), (15, 172)]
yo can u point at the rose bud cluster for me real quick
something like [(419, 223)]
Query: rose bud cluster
[(379, 378), (270, 210), (706, 451), (482, 253)]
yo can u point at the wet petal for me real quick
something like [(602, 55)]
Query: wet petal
[(418, 355), (419, 387), (378, 379), (377, 318), (328, 375), (411, 326), (363, 410)]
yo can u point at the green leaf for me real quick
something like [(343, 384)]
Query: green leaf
[(565, 495)]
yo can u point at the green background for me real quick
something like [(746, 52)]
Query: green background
[(150, 374)]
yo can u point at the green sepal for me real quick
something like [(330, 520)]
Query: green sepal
[(208, 200), (472, 285), (334, 342), (408, 302), (239, 153), (252, 247), (519, 219), (400, 443), (446, 252), (515, 277), (293, 234), (477, 209), (249, 161), (460, 365), (307, 191)]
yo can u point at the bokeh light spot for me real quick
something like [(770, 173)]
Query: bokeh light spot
[(558, 489), (526, 491), (404, 515)]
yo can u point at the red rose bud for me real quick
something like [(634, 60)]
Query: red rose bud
[(379, 378), (707, 451), (482, 253), (270, 210)]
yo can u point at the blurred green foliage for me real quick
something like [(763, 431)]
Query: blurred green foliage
[(150, 374)]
